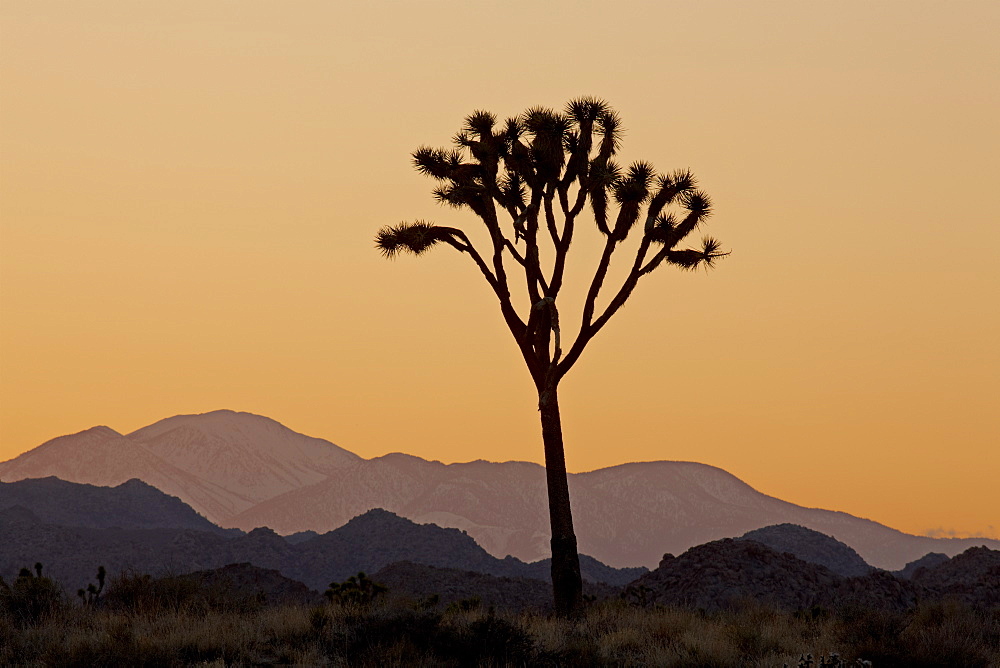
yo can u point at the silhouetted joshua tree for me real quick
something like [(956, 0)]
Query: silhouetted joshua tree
[(539, 172), (91, 595)]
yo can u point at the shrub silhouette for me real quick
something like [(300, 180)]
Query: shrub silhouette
[(31, 598), (140, 593), (465, 605), (357, 590), (612, 633)]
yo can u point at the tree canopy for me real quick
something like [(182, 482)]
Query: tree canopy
[(528, 180)]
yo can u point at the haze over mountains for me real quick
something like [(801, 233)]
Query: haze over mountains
[(246, 471)]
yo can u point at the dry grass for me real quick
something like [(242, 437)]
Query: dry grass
[(611, 634)]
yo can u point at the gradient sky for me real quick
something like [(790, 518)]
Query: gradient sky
[(190, 190)]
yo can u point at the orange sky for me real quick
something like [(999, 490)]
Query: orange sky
[(190, 191)]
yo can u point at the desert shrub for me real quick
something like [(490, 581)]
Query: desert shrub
[(30, 598), (492, 640), (136, 593), (832, 661), (428, 602), (420, 636), (182, 632), (758, 632), (357, 590), (950, 633), (936, 633), (464, 605), (141, 593), (873, 635), (357, 638)]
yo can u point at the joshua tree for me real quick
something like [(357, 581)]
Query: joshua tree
[(91, 595), (539, 171)]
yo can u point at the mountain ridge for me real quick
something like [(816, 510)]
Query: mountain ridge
[(220, 462), (243, 470), (133, 504), (368, 542)]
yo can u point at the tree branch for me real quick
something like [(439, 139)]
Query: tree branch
[(550, 217), (518, 328), (533, 270), (588, 329)]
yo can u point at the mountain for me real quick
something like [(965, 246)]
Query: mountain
[(624, 515), (131, 505), (811, 546), (504, 506), (221, 463), (378, 538), (367, 543), (246, 471)]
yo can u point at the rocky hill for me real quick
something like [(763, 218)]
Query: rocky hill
[(726, 573), (972, 576), (733, 573), (811, 546)]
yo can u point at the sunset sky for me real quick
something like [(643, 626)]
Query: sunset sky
[(189, 191)]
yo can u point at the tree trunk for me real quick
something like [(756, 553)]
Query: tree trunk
[(567, 585)]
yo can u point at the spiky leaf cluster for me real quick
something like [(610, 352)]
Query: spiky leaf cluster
[(416, 238), (711, 250)]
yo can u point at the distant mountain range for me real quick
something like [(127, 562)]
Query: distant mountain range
[(135, 529), (246, 471), (220, 463), (71, 554)]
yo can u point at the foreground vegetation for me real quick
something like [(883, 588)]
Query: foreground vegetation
[(173, 622)]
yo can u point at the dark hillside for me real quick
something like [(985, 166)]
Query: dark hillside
[(811, 546), (367, 543), (727, 573), (972, 577), (131, 505)]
